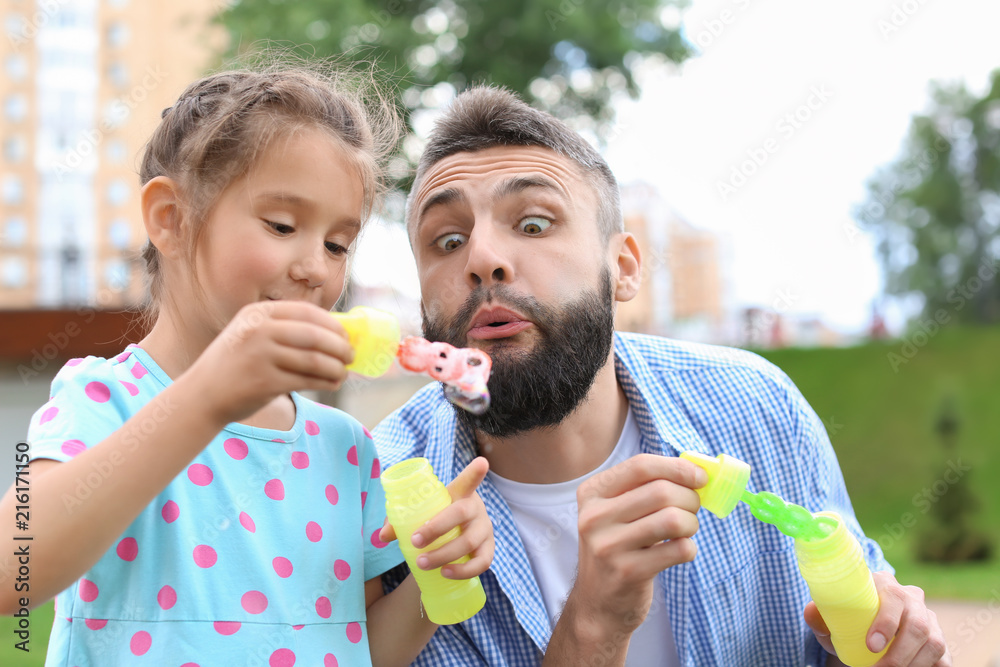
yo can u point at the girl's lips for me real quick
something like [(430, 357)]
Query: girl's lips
[(503, 331)]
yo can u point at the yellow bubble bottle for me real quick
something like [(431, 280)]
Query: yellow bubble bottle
[(829, 557), (374, 335), (413, 494)]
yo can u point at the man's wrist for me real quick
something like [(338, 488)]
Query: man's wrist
[(583, 636)]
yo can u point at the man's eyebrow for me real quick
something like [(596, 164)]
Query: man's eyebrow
[(442, 198), (518, 184)]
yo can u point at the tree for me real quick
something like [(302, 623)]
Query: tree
[(570, 57), (935, 211)]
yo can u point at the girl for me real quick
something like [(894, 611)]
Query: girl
[(191, 507)]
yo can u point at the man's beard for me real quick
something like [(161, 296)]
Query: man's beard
[(542, 386)]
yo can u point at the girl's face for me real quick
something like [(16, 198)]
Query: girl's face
[(283, 231)]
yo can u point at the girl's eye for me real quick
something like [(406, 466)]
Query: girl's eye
[(533, 225), (450, 242), (280, 227), (335, 248)]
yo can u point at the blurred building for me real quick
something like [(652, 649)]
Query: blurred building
[(83, 87), (682, 291)]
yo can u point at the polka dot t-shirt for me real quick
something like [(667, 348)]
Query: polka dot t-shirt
[(256, 554)]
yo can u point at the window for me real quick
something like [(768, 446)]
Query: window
[(15, 107), (116, 274), (120, 233), (14, 273), (13, 190), (16, 66), (15, 232), (118, 192), (15, 148), (118, 34)]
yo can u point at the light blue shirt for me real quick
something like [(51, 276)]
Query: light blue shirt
[(740, 602), (256, 554)]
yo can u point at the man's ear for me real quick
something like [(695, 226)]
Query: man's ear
[(629, 267), (161, 214)]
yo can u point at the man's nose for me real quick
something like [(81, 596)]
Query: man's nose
[(487, 260)]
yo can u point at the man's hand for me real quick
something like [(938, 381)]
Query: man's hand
[(635, 519), (917, 639)]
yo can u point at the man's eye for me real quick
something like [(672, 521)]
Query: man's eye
[(533, 225), (450, 241)]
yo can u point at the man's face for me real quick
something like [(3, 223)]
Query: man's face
[(511, 261)]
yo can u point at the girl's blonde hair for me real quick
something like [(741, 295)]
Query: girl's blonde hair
[(219, 126)]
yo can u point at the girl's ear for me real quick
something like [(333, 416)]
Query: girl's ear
[(628, 277), (161, 214)]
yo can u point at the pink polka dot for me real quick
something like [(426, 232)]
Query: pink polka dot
[(98, 392), (367, 433), (141, 641), (277, 440), (138, 371), (331, 494), (167, 597), (364, 497), (88, 590), (72, 447), (376, 542), (226, 627), (236, 448), (95, 623), (48, 415), (205, 556), (376, 469), (297, 627), (123, 356), (74, 362), (170, 511), (128, 549), (200, 474), (352, 455), (342, 569), (275, 490), (247, 522), (312, 428), (300, 460), (323, 607), (254, 602), (283, 657), (330, 660), (314, 532), (132, 389), (190, 664), (354, 632), (282, 566)]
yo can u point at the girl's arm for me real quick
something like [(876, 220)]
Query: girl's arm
[(267, 350), (397, 626)]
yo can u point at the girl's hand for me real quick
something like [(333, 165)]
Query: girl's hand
[(468, 513), (268, 349)]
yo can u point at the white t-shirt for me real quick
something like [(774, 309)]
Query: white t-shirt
[(546, 519)]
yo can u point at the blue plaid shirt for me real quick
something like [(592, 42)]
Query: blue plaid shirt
[(740, 602)]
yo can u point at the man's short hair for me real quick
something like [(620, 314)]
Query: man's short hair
[(487, 116)]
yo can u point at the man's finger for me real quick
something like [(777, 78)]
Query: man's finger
[(816, 623), (641, 469), (892, 602), (469, 480)]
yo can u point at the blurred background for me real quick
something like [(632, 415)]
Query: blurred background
[(817, 183)]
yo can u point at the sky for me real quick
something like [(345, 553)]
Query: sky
[(768, 136)]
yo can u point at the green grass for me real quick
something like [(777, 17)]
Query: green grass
[(881, 422), (40, 626)]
